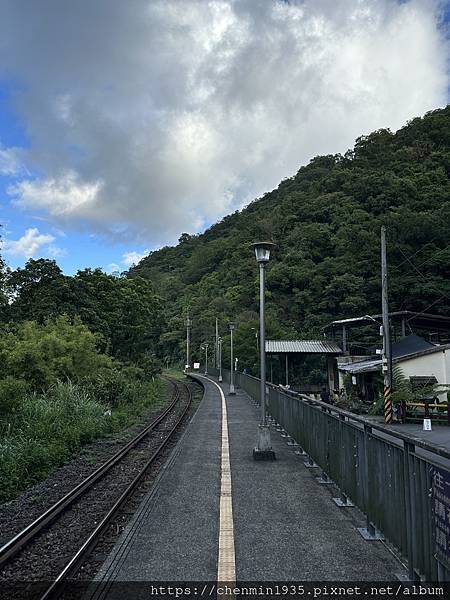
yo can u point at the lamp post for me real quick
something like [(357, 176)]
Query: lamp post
[(256, 337), (205, 348), (216, 345), (231, 326), (188, 339), (263, 450), (219, 343)]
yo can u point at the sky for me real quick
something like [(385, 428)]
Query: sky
[(125, 124)]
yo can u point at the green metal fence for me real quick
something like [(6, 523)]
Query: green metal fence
[(387, 474)]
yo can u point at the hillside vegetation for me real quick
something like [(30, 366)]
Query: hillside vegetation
[(78, 354), (77, 362), (326, 223)]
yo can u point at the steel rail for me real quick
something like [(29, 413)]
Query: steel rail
[(15, 544), (75, 562)]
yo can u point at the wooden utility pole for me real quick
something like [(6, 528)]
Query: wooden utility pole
[(386, 357)]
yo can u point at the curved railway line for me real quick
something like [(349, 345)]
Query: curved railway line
[(43, 552)]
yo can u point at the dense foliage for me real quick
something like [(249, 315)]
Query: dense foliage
[(57, 392), (77, 361), (43, 354), (326, 223), (125, 314)]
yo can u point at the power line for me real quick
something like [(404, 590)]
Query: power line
[(416, 252), (423, 276), (424, 310), (434, 255)]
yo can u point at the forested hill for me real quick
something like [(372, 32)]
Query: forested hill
[(326, 223)]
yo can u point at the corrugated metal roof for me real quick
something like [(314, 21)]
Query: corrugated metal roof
[(302, 347)]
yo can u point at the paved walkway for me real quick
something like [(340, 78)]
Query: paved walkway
[(285, 525), (438, 436)]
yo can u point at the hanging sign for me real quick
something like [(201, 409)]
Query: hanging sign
[(427, 424)]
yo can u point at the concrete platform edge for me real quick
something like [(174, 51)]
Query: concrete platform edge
[(102, 580)]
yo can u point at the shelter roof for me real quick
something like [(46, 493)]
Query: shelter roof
[(364, 366), (424, 320), (410, 347), (302, 347)]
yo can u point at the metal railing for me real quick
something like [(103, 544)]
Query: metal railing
[(387, 474)]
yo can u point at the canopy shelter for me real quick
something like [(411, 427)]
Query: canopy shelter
[(302, 347), (438, 326), (423, 363)]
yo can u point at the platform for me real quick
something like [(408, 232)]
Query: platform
[(285, 526)]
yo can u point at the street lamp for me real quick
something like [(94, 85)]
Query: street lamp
[(205, 348), (256, 336), (263, 450), (219, 344), (231, 326), (188, 339)]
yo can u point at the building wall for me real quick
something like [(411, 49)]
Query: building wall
[(345, 360), (436, 363)]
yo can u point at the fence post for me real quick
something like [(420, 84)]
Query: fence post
[(343, 500), (369, 532), (410, 506)]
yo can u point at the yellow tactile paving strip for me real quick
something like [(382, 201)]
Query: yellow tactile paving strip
[(226, 563)]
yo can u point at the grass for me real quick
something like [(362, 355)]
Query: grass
[(175, 373), (44, 431)]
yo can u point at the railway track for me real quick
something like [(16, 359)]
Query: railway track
[(44, 550)]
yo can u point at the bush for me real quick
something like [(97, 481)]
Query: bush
[(44, 432), (44, 354), (151, 365), (107, 387), (12, 391)]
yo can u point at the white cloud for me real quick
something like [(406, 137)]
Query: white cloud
[(55, 251), (30, 244), (151, 118), (113, 267), (61, 196), (10, 162), (132, 258)]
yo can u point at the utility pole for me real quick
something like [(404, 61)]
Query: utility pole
[(386, 357), (188, 341)]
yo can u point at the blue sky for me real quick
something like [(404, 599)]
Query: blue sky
[(122, 127), (72, 250)]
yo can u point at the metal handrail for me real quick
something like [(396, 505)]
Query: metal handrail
[(388, 474), (439, 450)]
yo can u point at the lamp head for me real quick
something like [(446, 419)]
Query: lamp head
[(262, 251), (231, 325)]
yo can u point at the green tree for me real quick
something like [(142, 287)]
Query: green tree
[(43, 354)]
